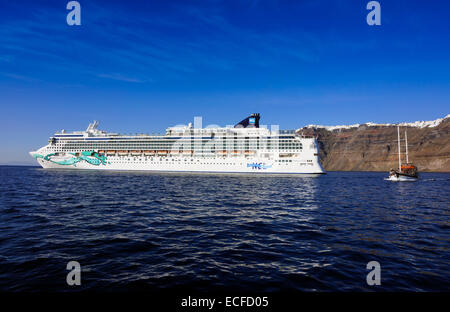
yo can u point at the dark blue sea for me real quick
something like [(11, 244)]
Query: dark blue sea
[(144, 231)]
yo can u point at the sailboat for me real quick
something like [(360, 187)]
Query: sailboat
[(406, 171)]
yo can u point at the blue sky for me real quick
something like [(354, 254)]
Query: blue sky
[(140, 66)]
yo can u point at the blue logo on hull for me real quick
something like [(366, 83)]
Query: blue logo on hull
[(259, 166)]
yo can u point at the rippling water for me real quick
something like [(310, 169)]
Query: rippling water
[(143, 231)]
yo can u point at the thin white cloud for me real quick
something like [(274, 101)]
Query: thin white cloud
[(120, 77), (20, 77)]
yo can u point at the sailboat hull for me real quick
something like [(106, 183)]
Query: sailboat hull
[(401, 178)]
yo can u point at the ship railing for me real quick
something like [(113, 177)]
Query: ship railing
[(286, 131)]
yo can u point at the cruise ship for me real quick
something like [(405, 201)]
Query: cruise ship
[(243, 148)]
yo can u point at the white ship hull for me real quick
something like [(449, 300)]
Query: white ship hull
[(181, 164)]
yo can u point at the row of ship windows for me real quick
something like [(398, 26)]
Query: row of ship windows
[(178, 143), (178, 160), (65, 148), (166, 145), (218, 140), (202, 163), (212, 153), (177, 140), (168, 148), (191, 160)]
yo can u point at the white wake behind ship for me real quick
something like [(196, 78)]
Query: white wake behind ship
[(244, 148)]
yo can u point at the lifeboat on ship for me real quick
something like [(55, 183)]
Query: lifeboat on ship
[(123, 153), (136, 153), (111, 153)]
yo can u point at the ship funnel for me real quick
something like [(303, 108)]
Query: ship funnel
[(251, 121)]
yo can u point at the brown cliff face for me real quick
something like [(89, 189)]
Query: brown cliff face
[(374, 148)]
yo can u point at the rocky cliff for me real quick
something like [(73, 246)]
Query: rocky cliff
[(373, 147)]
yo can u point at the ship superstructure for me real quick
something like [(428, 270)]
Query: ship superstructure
[(244, 148)]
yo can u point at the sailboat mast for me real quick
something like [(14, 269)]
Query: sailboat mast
[(399, 158), (406, 142)]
